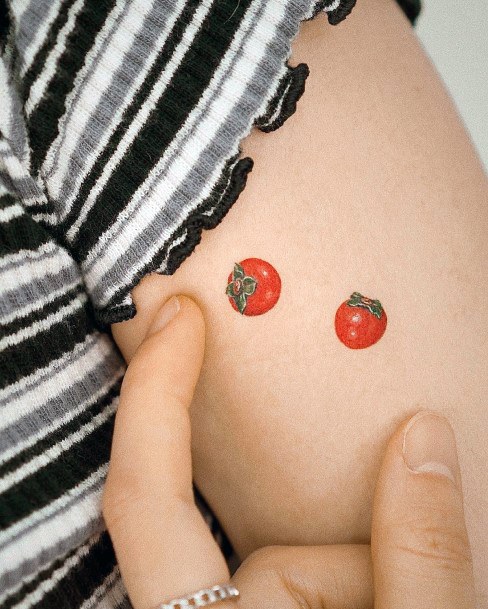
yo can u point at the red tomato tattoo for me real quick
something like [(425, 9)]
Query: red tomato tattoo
[(360, 322), (253, 287)]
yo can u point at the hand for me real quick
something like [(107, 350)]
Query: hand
[(419, 555)]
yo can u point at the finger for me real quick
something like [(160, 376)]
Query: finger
[(163, 546), (421, 553), (336, 577)]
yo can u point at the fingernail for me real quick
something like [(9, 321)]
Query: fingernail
[(429, 446), (165, 314)]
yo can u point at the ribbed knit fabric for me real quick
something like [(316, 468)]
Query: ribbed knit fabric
[(120, 126)]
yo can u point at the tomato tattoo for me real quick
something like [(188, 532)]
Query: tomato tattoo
[(253, 287), (360, 322)]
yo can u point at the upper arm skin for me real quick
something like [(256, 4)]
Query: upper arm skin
[(373, 186)]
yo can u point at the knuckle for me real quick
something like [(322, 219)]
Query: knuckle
[(443, 544), (267, 569)]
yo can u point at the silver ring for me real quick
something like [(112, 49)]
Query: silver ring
[(202, 598)]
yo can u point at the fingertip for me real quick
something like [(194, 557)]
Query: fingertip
[(155, 306), (164, 315), (411, 470), (393, 452), (181, 307), (425, 443), (178, 320), (418, 518), (429, 447), (171, 353), (193, 314)]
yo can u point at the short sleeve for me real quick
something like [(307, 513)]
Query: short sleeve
[(134, 116)]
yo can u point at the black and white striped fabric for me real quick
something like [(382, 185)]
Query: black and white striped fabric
[(120, 125)]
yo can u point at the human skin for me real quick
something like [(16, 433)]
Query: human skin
[(419, 554), (372, 186)]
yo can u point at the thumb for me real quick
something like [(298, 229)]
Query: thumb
[(164, 547), (420, 548)]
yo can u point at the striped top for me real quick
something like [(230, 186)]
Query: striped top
[(120, 126)]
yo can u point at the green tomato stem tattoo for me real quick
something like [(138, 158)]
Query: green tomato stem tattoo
[(373, 306), (240, 288)]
